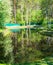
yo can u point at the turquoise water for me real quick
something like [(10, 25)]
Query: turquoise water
[(11, 24)]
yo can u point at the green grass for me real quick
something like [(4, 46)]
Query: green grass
[(45, 61), (28, 64), (2, 64), (5, 64)]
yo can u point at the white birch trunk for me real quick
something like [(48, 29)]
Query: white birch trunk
[(30, 9), (27, 24), (22, 19)]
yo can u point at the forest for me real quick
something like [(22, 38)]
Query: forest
[(31, 43)]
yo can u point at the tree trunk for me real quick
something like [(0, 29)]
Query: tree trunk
[(14, 38), (14, 10), (29, 28), (22, 19), (27, 24)]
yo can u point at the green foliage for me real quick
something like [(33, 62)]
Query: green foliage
[(4, 12), (5, 16), (36, 16), (47, 8)]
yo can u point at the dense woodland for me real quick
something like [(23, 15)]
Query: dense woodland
[(26, 45)]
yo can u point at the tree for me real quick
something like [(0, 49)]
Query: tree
[(47, 8), (5, 17)]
